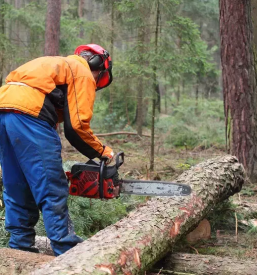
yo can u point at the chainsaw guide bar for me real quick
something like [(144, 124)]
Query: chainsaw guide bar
[(154, 188)]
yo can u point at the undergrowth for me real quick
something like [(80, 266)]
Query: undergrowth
[(190, 126)]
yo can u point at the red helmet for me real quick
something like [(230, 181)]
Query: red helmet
[(101, 60)]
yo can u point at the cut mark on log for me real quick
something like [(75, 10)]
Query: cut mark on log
[(131, 255), (176, 227), (191, 206), (185, 210), (137, 258), (146, 241), (106, 268), (123, 259)]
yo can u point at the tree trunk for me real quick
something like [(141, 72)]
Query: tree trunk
[(208, 265), (239, 82), (81, 7), (52, 33), (2, 48), (140, 92), (178, 94), (111, 90), (152, 134), (196, 96), (254, 20), (156, 102), (135, 243)]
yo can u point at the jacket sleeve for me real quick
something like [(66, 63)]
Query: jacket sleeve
[(78, 111)]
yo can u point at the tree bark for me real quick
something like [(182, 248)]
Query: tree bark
[(135, 243), (208, 265), (2, 48), (239, 82), (254, 20), (52, 33)]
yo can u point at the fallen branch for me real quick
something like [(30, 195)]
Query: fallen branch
[(135, 243), (121, 133)]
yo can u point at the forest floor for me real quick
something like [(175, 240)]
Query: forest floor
[(229, 236)]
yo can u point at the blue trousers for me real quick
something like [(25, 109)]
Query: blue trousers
[(34, 180)]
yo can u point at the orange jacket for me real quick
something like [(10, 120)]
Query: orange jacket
[(58, 89)]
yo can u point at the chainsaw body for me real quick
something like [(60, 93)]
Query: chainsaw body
[(95, 180)]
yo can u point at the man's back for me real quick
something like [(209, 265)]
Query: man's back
[(45, 80)]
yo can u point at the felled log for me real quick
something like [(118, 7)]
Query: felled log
[(14, 262), (208, 265), (136, 242)]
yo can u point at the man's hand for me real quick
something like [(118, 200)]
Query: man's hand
[(108, 154)]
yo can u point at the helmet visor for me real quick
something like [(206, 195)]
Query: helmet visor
[(104, 78)]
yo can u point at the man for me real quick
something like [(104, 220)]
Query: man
[(37, 96)]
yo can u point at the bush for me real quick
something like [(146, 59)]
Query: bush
[(90, 216), (193, 127)]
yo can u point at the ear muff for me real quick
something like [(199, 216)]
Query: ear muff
[(96, 63), (100, 61)]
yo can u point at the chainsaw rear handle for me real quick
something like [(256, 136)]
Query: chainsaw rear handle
[(119, 161), (101, 178)]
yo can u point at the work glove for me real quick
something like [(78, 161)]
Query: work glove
[(107, 154)]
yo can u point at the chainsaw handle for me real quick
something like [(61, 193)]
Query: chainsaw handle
[(101, 178), (119, 162), (119, 159)]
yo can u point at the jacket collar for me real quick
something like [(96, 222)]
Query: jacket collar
[(80, 59)]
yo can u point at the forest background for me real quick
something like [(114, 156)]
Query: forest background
[(167, 47), (167, 85)]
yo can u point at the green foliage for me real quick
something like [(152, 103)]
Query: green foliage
[(202, 9), (191, 126), (29, 19), (122, 112), (253, 230), (90, 216), (223, 216), (4, 235)]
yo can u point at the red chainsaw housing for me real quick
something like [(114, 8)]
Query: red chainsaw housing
[(86, 184)]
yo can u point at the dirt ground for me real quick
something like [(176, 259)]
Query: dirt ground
[(169, 163), (230, 237)]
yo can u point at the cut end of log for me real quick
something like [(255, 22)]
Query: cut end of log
[(201, 232)]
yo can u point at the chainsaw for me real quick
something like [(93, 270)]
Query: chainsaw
[(96, 180)]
